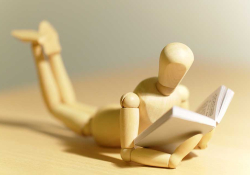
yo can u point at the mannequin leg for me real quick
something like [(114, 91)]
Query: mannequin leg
[(75, 119), (65, 86)]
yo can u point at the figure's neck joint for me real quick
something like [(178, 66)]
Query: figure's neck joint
[(163, 89)]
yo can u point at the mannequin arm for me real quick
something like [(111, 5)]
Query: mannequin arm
[(129, 125), (184, 93), (205, 139)]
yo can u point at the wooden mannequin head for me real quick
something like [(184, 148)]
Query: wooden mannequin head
[(175, 61)]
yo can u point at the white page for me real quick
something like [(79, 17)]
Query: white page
[(209, 106), (173, 128), (178, 124), (220, 100), (226, 101)]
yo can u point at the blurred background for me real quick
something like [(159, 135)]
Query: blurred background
[(100, 36)]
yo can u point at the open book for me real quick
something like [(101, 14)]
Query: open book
[(179, 124)]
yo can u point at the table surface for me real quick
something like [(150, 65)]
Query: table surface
[(32, 142)]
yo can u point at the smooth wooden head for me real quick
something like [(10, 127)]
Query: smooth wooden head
[(175, 61)]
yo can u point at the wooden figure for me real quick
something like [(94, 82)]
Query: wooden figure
[(116, 126)]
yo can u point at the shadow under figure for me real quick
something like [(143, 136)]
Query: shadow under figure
[(74, 144), (116, 126)]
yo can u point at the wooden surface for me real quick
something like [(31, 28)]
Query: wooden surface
[(32, 142)]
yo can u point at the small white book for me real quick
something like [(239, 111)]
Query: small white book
[(179, 124)]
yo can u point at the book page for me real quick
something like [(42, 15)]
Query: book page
[(208, 107), (226, 101), (173, 128)]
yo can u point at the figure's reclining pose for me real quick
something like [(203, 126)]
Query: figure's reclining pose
[(115, 126)]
